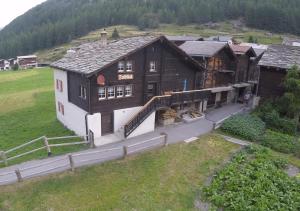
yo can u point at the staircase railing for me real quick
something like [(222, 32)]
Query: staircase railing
[(157, 102)]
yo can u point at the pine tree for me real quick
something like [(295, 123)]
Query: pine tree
[(115, 35)]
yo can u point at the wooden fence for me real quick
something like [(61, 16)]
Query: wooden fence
[(47, 146), (73, 161), (218, 124)]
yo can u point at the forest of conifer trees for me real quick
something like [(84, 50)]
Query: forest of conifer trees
[(58, 21)]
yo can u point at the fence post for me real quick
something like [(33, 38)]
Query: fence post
[(91, 139), (3, 157), (47, 146), (125, 150), (165, 139), (215, 125), (19, 176), (71, 162)]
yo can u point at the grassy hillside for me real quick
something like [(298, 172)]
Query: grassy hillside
[(224, 28), (165, 179), (27, 109)]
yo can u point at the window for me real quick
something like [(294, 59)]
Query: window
[(128, 91), (82, 92), (61, 108), (111, 92), (101, 93), (120, 91), (129, 66), (152, 66), (59, 85), (121, 67)]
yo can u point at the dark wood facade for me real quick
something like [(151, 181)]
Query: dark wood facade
[(220, 68), (173, 72), (271, 82)]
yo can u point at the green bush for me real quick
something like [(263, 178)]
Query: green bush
[(274, 121), (269, 112), (281, 142), (254, 180), (245, 126)]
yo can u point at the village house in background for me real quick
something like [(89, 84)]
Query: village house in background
[(114, 88), (223, 39), (4, 64), (27, 62), (274, 65), (291, 41), (179, 40)]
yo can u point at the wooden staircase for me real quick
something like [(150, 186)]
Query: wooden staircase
[(165, 101)]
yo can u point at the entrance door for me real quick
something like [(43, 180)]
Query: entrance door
[(107, 123), (151, 90)]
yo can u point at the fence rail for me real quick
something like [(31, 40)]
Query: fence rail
[(73, 161), (5, 155), (219, 123)]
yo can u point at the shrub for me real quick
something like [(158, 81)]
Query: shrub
[(269, 113), (281, 142), (245, 126), (274, 121), (254, 180)]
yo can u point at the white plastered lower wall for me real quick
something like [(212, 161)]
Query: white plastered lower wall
[(74, 117), (122, 116), (147, 126)]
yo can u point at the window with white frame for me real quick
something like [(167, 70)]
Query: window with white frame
[(121, 66), (101, 93), (129, 66), (128, 91), (120, 91), (111, 92), (59, 85), (82, 92), (61, 108), (152, 66)]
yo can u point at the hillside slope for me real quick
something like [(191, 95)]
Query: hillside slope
[(59, 21), (221, 28)]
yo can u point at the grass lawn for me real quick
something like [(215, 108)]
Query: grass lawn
[(27, 109), (164, 179)]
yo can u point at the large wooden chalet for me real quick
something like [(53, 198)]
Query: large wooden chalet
[(274, 65), (117, 87)]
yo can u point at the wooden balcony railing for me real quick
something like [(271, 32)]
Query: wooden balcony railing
[(158, 102)]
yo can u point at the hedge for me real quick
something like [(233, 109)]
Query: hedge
[(245, 126)]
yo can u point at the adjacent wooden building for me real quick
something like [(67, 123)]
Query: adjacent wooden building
[(274, 65)]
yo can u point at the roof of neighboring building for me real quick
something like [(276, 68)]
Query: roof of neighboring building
[(291, 41), (281, 56), (93, 57), (27, 57), (258, 48), (219, 38), (202, 48), (184, 38), (241, 50)]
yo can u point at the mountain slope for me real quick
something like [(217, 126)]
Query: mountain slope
[(59, 21)]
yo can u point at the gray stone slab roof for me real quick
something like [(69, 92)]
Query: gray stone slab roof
[(202, 48), (91, 57), (281, 56), (184, 38)]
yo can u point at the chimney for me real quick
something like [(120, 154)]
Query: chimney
[(104, 38)]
